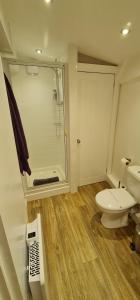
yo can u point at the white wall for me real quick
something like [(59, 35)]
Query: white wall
[(12, 202), (127, 139), (4, 294), (131, 71), (40, 114)]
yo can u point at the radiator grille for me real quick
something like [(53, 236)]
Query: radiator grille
[(37, 267), (34, 261)]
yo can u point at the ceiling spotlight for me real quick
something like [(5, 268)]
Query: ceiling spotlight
[(126, 30), (48, 1), (38, 51)]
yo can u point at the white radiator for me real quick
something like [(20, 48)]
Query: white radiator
[(36, 260)]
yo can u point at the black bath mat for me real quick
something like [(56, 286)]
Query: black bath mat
[(45, 181)]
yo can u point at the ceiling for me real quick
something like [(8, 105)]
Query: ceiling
[(92, 25)]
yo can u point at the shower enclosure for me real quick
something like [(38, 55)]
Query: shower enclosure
[(39, 92)]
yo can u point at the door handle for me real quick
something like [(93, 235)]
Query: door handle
[(78, 141)]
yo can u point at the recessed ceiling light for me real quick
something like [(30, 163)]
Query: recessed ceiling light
[(38, 51), (48, 1), (126, 30)]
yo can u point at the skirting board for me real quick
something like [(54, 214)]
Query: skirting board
[(35, 195), (90, 180)]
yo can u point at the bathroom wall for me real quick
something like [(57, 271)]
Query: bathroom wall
[(127, 139), (12, 204), (131, 71), (40, 115)]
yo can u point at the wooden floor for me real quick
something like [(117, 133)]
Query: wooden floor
[(85, 260)]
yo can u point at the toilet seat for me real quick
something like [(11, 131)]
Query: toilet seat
[(115, 200)]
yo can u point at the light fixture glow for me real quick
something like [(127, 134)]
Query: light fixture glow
[(126, 30), (38, 51), (48, 1)]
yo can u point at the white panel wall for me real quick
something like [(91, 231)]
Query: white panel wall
[(131, 69), (40, 114), (127, 143), (127, 140), (12, 202)]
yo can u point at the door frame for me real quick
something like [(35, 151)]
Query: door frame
[(34, 193), (114, 70), (92, 68)]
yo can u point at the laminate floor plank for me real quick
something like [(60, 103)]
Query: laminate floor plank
[(86, 261)]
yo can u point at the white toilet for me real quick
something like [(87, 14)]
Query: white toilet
[(116, 203)]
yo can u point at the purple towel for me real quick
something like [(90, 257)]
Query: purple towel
[(20, 140)]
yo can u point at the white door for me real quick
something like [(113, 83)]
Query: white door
[(95, 96)]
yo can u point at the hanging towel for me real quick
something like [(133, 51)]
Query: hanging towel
[(20, 140)]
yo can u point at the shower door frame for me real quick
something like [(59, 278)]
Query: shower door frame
[(51, 186)]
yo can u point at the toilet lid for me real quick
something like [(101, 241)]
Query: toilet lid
[(115, 199)]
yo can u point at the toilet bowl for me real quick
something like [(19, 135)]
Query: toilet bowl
[(115, 205)]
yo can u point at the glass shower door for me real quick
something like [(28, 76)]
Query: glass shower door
[(40, 98)]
